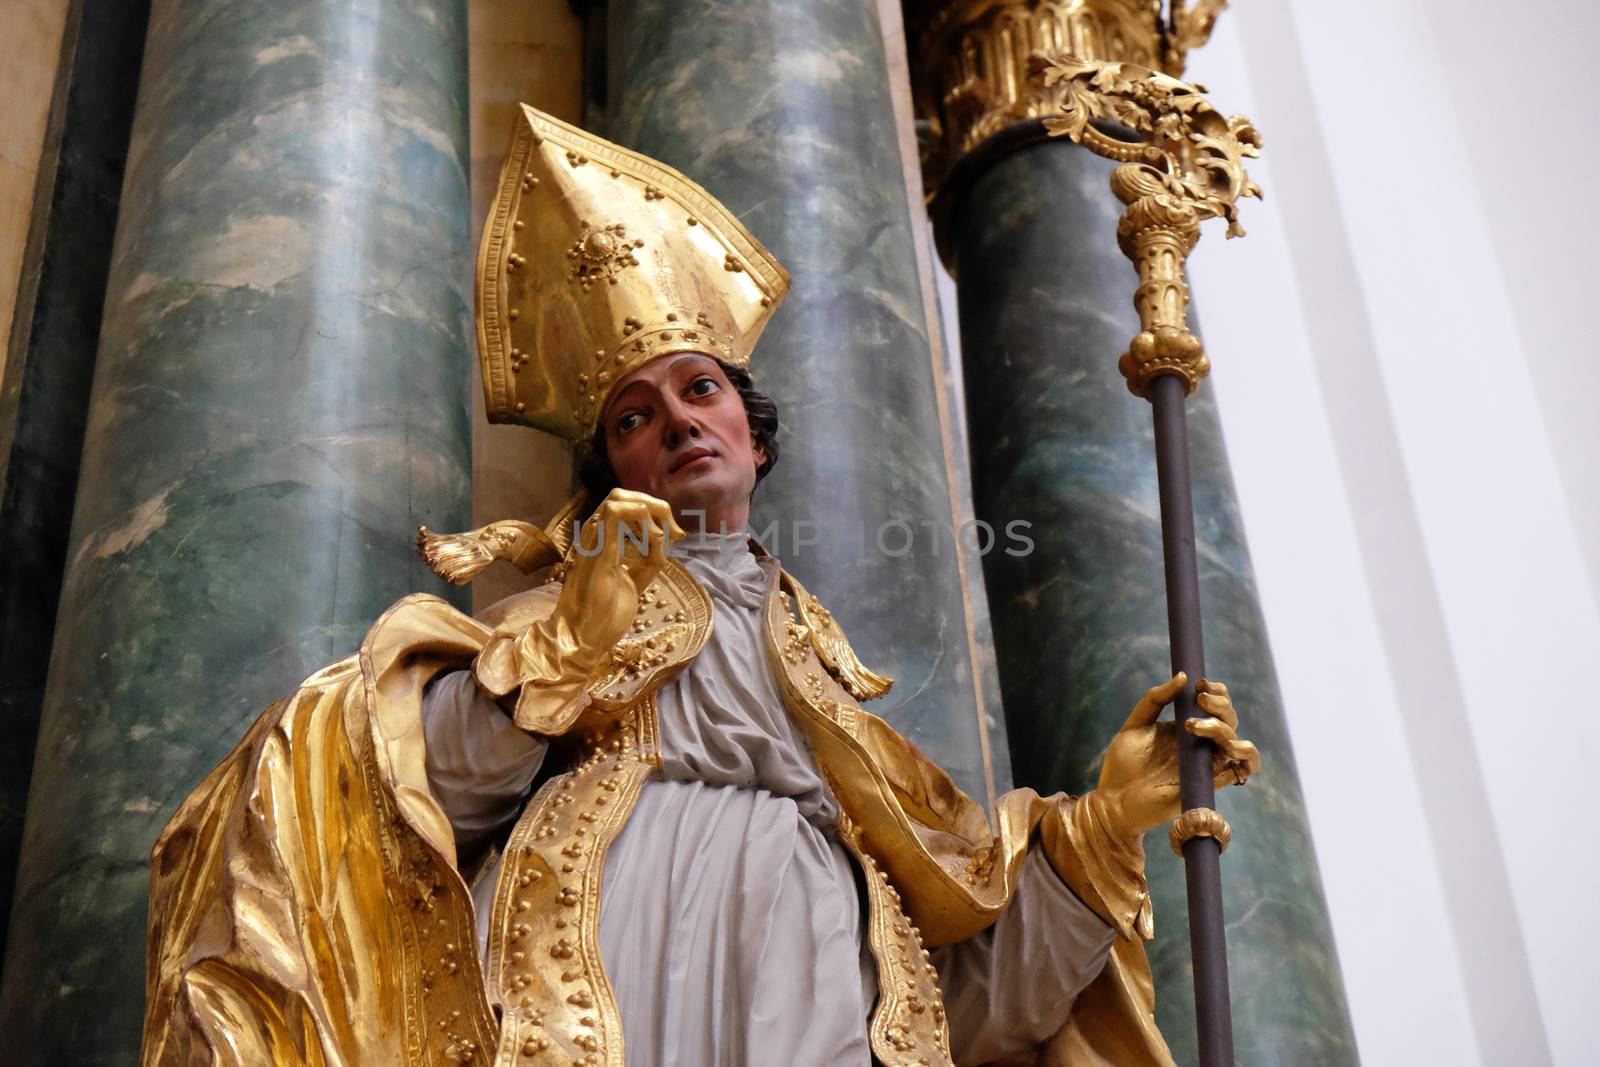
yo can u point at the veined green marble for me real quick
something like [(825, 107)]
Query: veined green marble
[(1080, 624), (280, 399), (48, 374), (782, 109)]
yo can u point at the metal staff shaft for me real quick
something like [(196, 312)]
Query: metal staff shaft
[(1184, 164), (1208, 945)]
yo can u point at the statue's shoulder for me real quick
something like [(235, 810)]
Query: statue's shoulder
[(521, 610), (830, 643)]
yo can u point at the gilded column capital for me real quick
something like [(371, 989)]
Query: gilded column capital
[(969, 59)]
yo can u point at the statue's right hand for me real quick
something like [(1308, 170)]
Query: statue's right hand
[(618, 552)]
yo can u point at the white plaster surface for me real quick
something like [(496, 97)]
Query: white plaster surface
[(1406, 408)]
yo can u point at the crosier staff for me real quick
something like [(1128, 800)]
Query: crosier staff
[(1186, 167)]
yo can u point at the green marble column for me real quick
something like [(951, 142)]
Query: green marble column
[(280, 398), (44, 393), (1080, 624), (782, 109)]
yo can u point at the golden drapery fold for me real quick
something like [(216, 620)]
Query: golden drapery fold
[(306, 906)]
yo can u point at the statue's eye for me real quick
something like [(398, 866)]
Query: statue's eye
[(704, 385), (629, 421)]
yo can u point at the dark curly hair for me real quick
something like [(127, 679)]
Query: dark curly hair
[(596, 475)]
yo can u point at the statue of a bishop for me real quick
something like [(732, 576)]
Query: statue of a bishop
[(638, 815)]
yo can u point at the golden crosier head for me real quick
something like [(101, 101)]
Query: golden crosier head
[(596, 260)]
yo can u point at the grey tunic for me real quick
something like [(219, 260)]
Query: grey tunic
[(730, 915)]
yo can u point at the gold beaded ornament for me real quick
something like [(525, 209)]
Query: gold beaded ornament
[(596, 260)]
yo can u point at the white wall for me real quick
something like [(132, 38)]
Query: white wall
[(1406, 380)]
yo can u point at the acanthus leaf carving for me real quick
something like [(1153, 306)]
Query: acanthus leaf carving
[(1188, 165)]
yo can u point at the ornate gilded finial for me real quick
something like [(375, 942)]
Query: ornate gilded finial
[(1187, 167)]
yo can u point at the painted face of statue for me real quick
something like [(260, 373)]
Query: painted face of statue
[(677, 429)]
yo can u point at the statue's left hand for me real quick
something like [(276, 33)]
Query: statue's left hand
[(1139, 781)]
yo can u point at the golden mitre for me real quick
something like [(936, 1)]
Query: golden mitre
[(596, 260)]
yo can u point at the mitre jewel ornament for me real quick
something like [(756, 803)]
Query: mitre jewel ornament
[(601, 253), (596, 260)]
